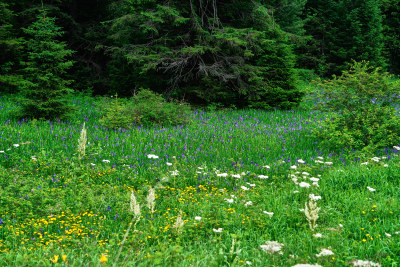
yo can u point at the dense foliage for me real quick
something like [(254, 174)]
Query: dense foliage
[(364, 117), (230, 53)]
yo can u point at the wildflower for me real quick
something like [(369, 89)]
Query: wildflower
[(179, 223), (263, 176), (293, 167), (385, 165), (248, 203), (197, 218), (251, 185), (152, 156), (305, 173), (314, 179), (103, 258), (301, 161), (64, 257), (92, 164), (396, 147), (134, 206), (317, 235), (244, 188), (272, 247), (248, 263), (371, 189), (311, 211), (325, 252), (219, 230), (365, 263), (2, 151), (388, 235), (16, 145), (315, 184), (106, 161), (33, 158), (82, 143), (228, 200), (222, 174), (175, 173), (318, 161), (236, 176), (364, 163), (169, 163), (266, 166), (328, 163), (320, 158), (304, 184), (270, 214), (55, 260), (296, 191), (314, 197), (151, 199)]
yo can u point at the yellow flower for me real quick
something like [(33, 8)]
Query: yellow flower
[(103, 258), (55, 260), (64, 257)]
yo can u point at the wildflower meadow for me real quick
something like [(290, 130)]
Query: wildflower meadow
[(230, 188)]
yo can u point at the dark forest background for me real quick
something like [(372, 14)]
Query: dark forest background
[(230, 53)]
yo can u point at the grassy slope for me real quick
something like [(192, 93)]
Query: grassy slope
[(52, 204)]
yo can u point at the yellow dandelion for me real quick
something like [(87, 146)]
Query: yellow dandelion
[(55, 260), (103, 258)]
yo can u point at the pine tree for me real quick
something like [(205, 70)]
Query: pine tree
[(44, 89)]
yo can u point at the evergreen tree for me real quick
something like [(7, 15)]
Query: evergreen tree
[(236, 57), (343, 30), (43, 89)]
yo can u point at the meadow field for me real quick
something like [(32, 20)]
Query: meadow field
[(237, 188)]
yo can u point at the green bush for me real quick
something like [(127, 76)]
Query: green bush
[(364, 118), (149, 108), (146, 108)]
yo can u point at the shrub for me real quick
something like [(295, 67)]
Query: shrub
[(146, 108), (362, 101), (149, 108)]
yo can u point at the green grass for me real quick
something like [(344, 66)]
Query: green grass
[(53, 204)]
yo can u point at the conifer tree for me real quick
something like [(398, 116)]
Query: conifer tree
[(44, 89)]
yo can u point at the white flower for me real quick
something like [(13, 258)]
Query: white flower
[(365, 263), (251, 185), (315, 184), (248, 203), (388, 235), (151, 156), (197, 218), (385, 165), (248, 262), (175, 173), (305, 173), (325, 252), (301, 161), (233, 196), (396, 147), (376, 159), (2, 151), (169, 163), (364, 163), (219, 230), (271, 247), (317, 235), (228, 200), (151, 199), (314, 179), (296, 191), (236, 175), (293, 167), (340, 225), (328, 163), (244, 188), (270, 214), (263, 176), (243, 173), (371, 189), (33, 158), (200, 168), (92, 164), (222, 174), (314, 197), (295, 180), (304, 184), (106, 161), (318, 161), (266, 166), (320, 158), (16, 145)]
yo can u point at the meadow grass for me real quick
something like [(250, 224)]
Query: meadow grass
[(237, 179)]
